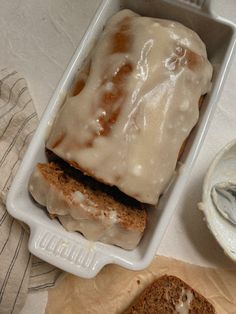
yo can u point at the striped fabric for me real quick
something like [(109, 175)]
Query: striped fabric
[(20, 273)]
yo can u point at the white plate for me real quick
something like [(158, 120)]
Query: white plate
[(71, 251), (222, 169)]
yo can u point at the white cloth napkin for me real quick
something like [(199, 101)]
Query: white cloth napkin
[(20, 272)]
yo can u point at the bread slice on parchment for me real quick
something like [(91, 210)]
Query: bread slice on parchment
[(99, 212), (170, 295)]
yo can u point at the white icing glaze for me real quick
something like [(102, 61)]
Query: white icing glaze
[(78, 197), (183, 307), (158, 106), (79, 214), (223, 195), (113, 234)]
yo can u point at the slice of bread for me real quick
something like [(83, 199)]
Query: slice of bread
[(82, 204), (169, 295)]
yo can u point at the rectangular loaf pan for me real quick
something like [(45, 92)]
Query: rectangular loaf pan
[(71, 251)]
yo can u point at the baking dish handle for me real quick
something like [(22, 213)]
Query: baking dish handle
[(80, 258)]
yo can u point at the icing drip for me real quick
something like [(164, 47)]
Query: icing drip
[(183, 306)]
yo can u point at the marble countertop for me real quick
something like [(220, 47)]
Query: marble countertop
[(38, 39)]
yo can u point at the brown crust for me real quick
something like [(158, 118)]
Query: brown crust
[(163, 294), (112, 101), (81, 78), (121, 39), (131, 214), (79, 85)]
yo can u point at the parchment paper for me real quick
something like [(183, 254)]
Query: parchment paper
[(114, 288)]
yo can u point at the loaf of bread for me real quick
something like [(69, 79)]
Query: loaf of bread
[(81, 204), (124, 123), (170, 295), (134, 104)]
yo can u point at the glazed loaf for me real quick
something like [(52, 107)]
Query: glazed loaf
[(135, 103)]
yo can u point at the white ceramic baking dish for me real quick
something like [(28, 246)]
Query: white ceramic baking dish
[(71, 251)]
